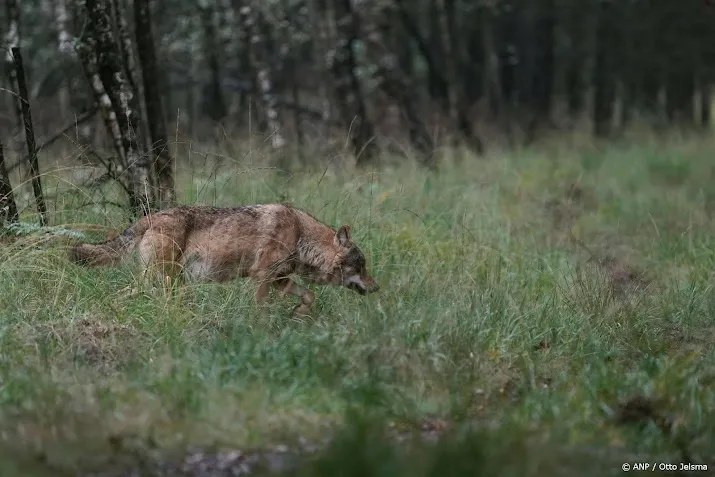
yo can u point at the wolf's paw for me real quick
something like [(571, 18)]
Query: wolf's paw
[(302, 310)]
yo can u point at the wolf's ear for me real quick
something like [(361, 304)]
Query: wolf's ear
[(342, 236)]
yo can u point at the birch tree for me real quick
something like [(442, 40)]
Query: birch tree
[(12, 40), (101, 59), (64, 46)]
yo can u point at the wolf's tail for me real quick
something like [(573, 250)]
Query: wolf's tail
[(110, 252)]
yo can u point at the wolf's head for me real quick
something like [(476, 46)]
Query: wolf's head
[(350, 268)]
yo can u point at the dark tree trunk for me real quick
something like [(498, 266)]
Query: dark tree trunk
[(459, 105), (574, 86), (437, 84), (30, 137), (321, 18), (684, 41), (575, 60), (509, 55), (474, 64), (403, 46), (348, 91), (706, 105), (543, 71), (396, 85), (680, 90), (647, 92), (215, 105), (604, 82), (438, 53), (168, 99), (493, 81), (295, 95), (163, 164), (246, 25)]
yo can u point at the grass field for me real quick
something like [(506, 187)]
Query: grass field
[(491, 323)]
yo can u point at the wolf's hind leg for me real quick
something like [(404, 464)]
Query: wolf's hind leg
[(160, 255), (287, 286)]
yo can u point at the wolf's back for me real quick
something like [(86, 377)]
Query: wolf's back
[(110, 252)]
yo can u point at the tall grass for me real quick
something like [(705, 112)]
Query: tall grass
[(489, 318)]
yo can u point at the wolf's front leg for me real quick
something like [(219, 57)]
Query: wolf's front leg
[(262, 292), (287, 286), (264, 271)]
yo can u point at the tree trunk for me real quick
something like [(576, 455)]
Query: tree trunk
[(163, 164), (438, 52), (246, 25), (396, 85), (295, 96), (706, 105), (474, 62), (543, 73), (102, 62), (437, 84), (535, 43), (261, 62), (459, 105), (64, 45), (492, 77), (30, 136), (91, 71), (509, 55), (348, 90), (125, 46), (319, 17), (604, 75), (130, 73), (215, 104), (12, 40), (680, 90)]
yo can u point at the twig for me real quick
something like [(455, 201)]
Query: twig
[(58, 134)]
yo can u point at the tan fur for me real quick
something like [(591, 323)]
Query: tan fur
[(267, 242)]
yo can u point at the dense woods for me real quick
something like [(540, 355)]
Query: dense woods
[(122, 77)]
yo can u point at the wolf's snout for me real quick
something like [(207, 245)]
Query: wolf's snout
[(361, 285), (368, 286)]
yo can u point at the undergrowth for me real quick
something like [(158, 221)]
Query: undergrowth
[(527, 300)]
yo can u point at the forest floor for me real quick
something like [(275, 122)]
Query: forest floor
[(542, 312)]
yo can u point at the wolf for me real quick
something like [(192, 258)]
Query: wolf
[(269, 243)]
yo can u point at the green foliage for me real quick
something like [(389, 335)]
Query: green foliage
[(488, 318)]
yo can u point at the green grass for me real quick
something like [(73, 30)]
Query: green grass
[(488, 318)]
